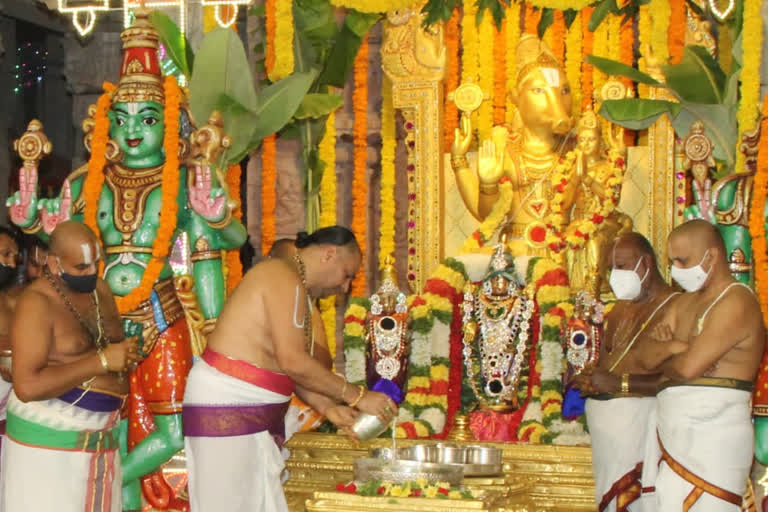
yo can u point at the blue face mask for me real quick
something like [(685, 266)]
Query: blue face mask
[(79, 284)]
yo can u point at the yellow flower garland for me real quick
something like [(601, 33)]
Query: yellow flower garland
[(388, 142), (492, 222), (660, 15), (327, 154), (512, 38), (601, 49), (283, 40), (644, 31), (470, 64), (169, 189), (561, 174), (360, 156), (573, 62), (561, 5), (380, 6), (614, 37), (752, 37), (485, 58)]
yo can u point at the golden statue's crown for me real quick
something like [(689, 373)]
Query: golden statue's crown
[(388, 277), (533, 54), (588, 119), (140, 76)]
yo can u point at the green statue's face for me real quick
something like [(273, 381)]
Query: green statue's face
[(138, 129)]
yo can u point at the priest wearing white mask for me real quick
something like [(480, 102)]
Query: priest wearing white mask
[(704, 414), (621, 408)]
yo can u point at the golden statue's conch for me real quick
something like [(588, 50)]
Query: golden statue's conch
[(529, 155)]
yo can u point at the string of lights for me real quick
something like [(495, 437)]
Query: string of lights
[(31, 65)]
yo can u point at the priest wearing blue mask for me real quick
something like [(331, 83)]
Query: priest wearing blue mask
[(621, 405)]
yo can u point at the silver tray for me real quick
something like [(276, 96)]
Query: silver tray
[(474, 460), (400, 471)]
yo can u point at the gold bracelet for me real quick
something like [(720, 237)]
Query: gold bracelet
[(624, 383), (103, 359), (459, 162), (205, 255), (359, 397)]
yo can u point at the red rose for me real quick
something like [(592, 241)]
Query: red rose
[(381, 490), (504, 179), (443, 490), (340, 487), (416, 492), (620, 162), (477, 236), (351, 488), (597, 218)]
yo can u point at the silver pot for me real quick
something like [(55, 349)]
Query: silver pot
[(450, 454), (399, 471), (368, 426)]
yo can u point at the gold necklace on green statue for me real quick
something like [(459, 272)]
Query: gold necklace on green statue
[(309, 338)]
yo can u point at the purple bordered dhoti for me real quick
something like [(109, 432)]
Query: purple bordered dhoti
[(234, 426)]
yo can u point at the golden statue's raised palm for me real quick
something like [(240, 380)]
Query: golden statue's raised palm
[(490, 163)]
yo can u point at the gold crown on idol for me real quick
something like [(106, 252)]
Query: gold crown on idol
[(140, 76), (533, 54), (588, 119), (388, 277)]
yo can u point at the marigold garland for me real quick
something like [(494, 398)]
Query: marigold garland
[(558, 36), (499, 71), (614, 37), (587, 70), (676, 34), (169, 189), (644, 34), (600, 47), (283, 41), (234, 265), (512, 38), (485, 113), (757, 217), (327, 154), (626, 54), (660, 16), (270, 22), (268, 184), (470, 63), (451, 112), (380, 6), (360, 178), (498, 213), (560, 5), (561, 174), (749, 92), (532, 19), (573, 62), (387, 190)]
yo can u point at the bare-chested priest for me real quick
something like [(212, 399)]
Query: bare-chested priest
[(69, 364), (238, 394), (9, 294), (704, 414), (621, 409)]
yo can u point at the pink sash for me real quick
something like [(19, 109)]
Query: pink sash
[(265, 379)]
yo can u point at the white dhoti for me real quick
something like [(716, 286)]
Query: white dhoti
[(233, 431), (706, 439), (624, 452), (62, 456)]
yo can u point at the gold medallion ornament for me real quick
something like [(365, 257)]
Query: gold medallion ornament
[(33, 145), (468, 97)]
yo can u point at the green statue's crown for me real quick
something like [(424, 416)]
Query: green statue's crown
[(140, 76)]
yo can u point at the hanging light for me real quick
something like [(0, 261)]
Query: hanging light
[(218, 4), (83, 15), (721, 15)]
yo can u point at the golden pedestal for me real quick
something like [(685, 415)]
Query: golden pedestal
[(536, 478)]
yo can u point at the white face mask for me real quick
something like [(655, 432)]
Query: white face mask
[(626, 284), (691, 279)]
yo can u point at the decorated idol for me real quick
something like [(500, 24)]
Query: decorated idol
[(497, 335), (138, 194)]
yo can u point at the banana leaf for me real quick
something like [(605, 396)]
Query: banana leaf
[(602, 10), (315, 105), (348, 41), (637, 113), (698, 78), (177, 46), (278, 103), (612, 67)]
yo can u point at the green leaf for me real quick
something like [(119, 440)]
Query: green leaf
[(603, 9), (719, 122), (278, 103), (698, 78), (342, 56), (177, 46), (222, 70), (547, 18), (316, 105), (615, 68), (731, 95), (315, 20), (359, 23), (637, 113)]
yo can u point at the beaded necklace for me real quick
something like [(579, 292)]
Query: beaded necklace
[(309, 335)]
